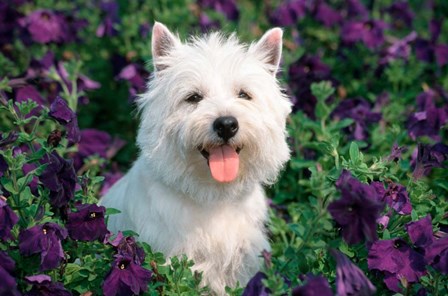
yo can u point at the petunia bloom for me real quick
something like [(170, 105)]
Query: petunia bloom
[(315, 285), (401, 14), (8, 219), (357, 210), (127, 247), (350, 279), (429, 157), (60, 111), (136, 75), (87, 224), (395, 195), (369, 32), (126, 278), (396, 151), (430, 50), (226, 7), (8, 284), (107, 27), (288, 13), (43, 286), (45, 26), (44, 239), (60, 178), (398, 260), (325, 14)]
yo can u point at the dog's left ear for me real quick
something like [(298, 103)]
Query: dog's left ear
[(163, 41), (269, 48)]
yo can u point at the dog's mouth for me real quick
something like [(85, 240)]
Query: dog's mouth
[(223, 162)]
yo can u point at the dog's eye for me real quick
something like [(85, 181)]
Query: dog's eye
[(194, 98), (243, 95)]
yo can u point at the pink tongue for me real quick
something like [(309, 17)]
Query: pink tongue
[(224, 163)]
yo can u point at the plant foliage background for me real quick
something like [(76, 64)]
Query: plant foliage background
[(361, 207)]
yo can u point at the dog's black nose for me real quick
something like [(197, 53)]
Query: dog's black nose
[(226, 127)]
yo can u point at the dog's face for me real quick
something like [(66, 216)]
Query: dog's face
[(214, 115)]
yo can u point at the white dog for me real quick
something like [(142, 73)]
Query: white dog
[(212, 133)]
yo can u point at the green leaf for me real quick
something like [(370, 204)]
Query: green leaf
[(322, 90), (112, 211), (354, 152)]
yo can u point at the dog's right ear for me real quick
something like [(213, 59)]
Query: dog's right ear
[(163, 41)]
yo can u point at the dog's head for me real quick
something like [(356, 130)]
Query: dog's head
[(214, 115)]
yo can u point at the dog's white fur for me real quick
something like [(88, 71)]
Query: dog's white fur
[(168, 197)]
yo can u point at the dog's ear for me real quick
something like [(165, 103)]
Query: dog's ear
[(163, 41), (269, 48)]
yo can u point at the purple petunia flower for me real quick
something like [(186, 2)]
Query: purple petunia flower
[(361, 112), (398, 49), (43, 286), (255, 286), (395, 196), (40, 67), (8, 218), (96, 142), (302, 73), (357, 210), (428, 119), (8, 22), (107, 27), (398, 260), (60, 111), (429, 50), (435, 250), (60, 178), (401, 14), (350, 279), (126, 278), (87, 224), (226, 7), (325, 14), (356, 10), (46, 240), (8, 284), (315, 285), (288, 13), (3, 165), (137, 76), (429, 157), (370, 32), (45, 26), (127, 247)]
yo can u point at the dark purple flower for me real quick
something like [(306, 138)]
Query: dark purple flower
[(399, 49), (395, 154), (255, 286), (302, 73), (45, 26), (43, 286), (107, 27), (8, 284), (96, 142), (357, 210), (357, 10), (39, 67), (398, 260), (420, 232), (395, 196), (226, 7), (126, 278), (9, 17), (7, 220), (350, 279), (325, 14), (429, 157), (288, 13), (314, 286), (437, 254), (429, 50), (127, 246), (428, 119), (402, 15), (3, 165), (87, 224), (44, 240), (60, 111), (137, 76), (361, 112), (60, 178), (370, 32)]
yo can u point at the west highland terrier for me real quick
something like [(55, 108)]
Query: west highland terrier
[(212, 133)]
